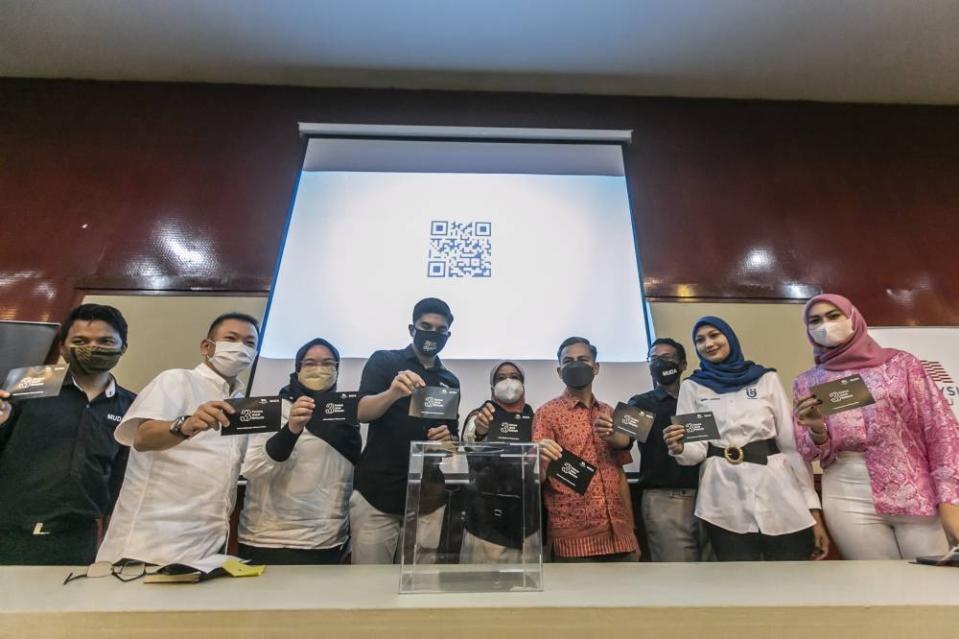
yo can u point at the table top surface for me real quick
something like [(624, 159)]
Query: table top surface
[(32, 589)]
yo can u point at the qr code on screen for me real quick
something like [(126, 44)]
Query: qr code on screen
[(460, 249)]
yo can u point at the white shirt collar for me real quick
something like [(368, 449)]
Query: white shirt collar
[(110, 390), (204, 370)]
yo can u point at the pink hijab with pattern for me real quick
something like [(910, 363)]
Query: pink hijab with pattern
[(861, 351)]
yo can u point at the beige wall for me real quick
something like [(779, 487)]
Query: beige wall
[(771, 334), (166, 330)]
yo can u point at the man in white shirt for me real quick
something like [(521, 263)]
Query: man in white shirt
[(180, 483)]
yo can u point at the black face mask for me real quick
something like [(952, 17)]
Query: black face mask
[(664, 372), (577, 374), (429, 342)]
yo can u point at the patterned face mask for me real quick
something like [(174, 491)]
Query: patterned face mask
[(89, 360)]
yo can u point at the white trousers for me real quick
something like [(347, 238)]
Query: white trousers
[(375, 535), (859, 531)]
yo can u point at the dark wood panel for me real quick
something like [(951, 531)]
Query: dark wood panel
[(180, 187)]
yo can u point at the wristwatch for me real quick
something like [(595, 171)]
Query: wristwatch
[(177, 425)]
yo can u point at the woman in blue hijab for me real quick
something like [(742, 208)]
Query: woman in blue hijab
[(756, 493)]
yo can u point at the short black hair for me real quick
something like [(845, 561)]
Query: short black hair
[(432, 305), (232, 315), (569, 341), (318, 341), (668, 341), (93, 312)]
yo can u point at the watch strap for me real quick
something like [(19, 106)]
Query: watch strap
[(177, 424)]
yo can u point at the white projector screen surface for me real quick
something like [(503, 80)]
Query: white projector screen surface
[(538, 258), (529, 243)]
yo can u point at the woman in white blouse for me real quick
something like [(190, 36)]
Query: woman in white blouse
[(756, 493), (300, 479)]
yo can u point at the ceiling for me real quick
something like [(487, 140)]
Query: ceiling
[(831, 50)]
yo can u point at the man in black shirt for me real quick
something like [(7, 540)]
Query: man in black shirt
[(60, 467), (379, 481), (669, 490)]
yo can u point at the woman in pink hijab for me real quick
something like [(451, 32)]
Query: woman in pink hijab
[(891, 469)]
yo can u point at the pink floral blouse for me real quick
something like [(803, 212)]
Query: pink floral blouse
[(909, 437)]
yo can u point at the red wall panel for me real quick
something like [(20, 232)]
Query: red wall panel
[(179, 187)]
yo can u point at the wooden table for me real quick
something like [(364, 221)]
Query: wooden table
[(812, 600)]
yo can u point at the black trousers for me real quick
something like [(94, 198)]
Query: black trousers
[(74, 547), (730, 546), (290, 556)]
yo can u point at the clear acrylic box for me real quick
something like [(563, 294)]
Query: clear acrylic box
[(472, 521)]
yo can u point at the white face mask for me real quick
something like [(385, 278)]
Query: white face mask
[(832, 333), (230, 359), (508, 390)]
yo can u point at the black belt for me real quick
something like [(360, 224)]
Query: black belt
[(754, 452)]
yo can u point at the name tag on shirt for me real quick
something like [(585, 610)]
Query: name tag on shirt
[(842, 394), (335, 409), (435, 402), (34, 382), (254, 415), (510, 427), (633, 421), (572, 470), (700, 427)]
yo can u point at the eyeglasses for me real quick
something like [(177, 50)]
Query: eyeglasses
[(125, 570)]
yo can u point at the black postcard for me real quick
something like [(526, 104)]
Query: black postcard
[(34, 382), (435, 402), (633, 421), (510, 427), (573, 471), (254, 415), (842, 394), (336, 408), (700, 427)]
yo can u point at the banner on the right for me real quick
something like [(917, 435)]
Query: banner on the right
[(937, 347)]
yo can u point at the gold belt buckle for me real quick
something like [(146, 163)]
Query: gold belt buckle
[(734, 454)]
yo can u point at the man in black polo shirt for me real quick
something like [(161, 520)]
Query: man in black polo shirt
[(379, 481), (60, 467), (669, 490)]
